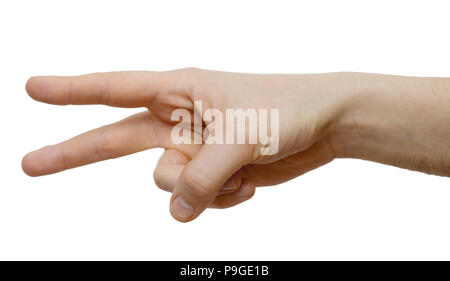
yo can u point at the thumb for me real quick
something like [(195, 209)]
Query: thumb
[(202, 178)]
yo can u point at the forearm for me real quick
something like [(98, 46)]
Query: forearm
[(400, 121)]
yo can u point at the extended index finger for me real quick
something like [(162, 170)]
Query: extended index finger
[(121, 89)]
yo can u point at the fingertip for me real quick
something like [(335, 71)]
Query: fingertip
[(244, 193), (32, 87), (181, 210), (29, 165), (44, 161), (47, 89), (247, 190)]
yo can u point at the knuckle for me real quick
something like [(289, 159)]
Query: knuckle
[(62, 157), (158, 177), (188, 78), (69, 94), (186, 73), (196, 183), (190, 70), (104, 146), (105, 92)]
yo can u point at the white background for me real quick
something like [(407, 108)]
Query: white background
[(348, 209)]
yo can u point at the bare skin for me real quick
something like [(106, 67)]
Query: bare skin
[(401, 121)]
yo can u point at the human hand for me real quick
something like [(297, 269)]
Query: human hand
[(198, 175)]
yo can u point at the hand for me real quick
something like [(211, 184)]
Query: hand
[(198, 175), (388, 119)]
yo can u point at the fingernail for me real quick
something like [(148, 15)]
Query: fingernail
[(182, 209), (227, 189)]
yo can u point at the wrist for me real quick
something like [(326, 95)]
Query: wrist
[(394, 120), (355, 125), (371, 116), (347, 120)]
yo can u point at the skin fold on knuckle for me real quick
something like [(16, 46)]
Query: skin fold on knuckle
[(196, 186), (104, 146)]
